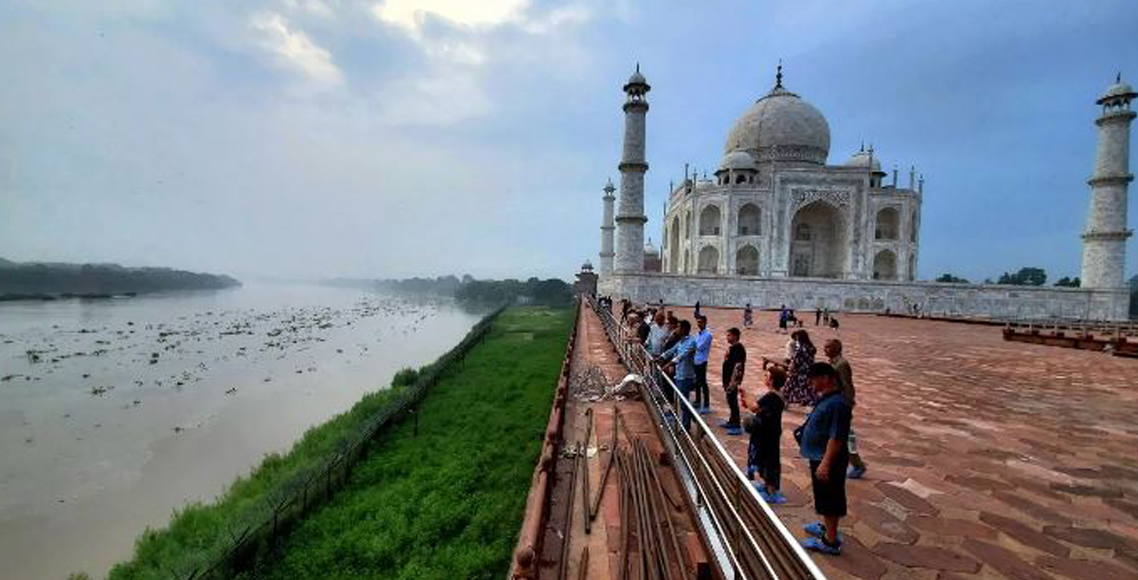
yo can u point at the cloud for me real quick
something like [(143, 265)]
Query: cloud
[(411, 14), (293, 49)]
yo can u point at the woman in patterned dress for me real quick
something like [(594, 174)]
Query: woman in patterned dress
[(798, 390)]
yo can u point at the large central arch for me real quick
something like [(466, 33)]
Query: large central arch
[(819, 242)]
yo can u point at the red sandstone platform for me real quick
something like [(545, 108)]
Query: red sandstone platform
[(987, 459)]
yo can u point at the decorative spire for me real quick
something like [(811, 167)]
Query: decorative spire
[(862, 150), (1118, 77), (778, 76)]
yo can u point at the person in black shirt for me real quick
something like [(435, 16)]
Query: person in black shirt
[(765, 427), (734, 363)]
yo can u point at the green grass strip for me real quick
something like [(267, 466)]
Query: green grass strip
[(201, 532), (447, 503)]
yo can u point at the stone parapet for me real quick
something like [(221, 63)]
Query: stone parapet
[(991, 301)]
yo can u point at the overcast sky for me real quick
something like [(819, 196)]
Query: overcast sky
[(423, 137)]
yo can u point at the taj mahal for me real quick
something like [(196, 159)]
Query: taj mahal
[(778, 224)]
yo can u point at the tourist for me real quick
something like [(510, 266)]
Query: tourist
[(643, 330), (734, 363), (625, 306), (748, 316), (783, 316), (765, 427), (702, 353), (633, 327), (697, 312), (798, 390), (834, 322), (823, 443), (833, 350), (672, 339), (681, 358), (826, 316), (657, 334), (817, 316)]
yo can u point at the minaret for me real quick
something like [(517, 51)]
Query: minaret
[(607, 228), (630, 216), (1104, 242)]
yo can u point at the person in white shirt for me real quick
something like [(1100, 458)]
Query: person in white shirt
[(657, 334)]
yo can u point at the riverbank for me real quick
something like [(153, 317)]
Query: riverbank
[(101, 439), (511, 373), (446, 502)]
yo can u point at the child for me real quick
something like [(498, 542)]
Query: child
[(765, 427)]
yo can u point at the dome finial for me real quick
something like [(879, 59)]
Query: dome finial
[(1118, 77), (862, 146), (778, 76)]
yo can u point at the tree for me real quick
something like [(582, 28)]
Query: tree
[(1025, 277), (951, 279), (1066, 282)]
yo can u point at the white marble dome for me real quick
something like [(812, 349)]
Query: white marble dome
[(781, 126), (736, 160), (864, 160)]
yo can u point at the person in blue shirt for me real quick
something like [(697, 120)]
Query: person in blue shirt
[(824, 443), (702, 353), (681, 357)]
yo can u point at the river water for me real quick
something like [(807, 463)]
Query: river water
[(115, 413)]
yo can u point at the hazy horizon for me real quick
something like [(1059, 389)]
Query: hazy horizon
[(370, 139)]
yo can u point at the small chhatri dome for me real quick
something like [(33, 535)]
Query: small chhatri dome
[(636, 77), (1119, 90), (737, 160), (637, 84), (781, 126), (649, 249), (609, 187), (865, 160), (587, 266)]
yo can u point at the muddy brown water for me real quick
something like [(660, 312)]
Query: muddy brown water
[(129, 409)]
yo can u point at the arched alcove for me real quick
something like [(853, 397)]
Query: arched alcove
[(887, 224), (674, 246), (747, 261), (709, 221), (885, 265), (708, 260), (750, 219)]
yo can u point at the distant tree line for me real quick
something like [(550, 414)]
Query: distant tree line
[(1024, 277), (46, 280), (550, 292)]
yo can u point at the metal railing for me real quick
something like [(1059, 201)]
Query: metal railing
[(746, 539)]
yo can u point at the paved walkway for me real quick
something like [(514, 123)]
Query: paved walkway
[(987, 459), (593, 349)]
